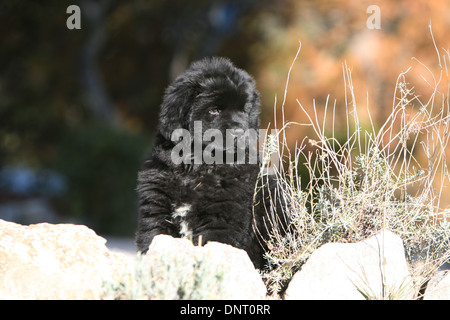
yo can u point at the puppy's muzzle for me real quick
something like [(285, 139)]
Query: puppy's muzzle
[(237, 133)]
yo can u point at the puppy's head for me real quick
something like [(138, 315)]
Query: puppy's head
[(214, 92)]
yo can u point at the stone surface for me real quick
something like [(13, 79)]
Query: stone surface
[(439, 287), (46, 261), (338, 270), (64, 261), (239, 279)]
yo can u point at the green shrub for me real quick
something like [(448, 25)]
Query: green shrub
[(100, 164)]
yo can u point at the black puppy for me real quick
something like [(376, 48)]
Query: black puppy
[(181, 193)]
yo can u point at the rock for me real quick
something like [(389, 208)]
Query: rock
[(64, 261), (355, 271), (45, 261), (214, 271), (439, 286)]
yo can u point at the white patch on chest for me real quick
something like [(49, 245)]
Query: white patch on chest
[(181, 213)]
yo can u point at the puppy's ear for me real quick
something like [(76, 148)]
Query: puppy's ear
[(176, 107)]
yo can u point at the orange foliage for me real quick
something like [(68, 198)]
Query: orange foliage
[(335, 32), (332, 32)]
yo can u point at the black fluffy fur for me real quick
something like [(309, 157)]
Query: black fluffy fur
[(220, 197)]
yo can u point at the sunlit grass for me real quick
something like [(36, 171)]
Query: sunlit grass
[(392, 176)]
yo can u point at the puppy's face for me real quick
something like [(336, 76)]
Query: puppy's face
[(224, 106), (215, 94)]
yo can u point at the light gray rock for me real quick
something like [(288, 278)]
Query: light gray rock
[(375, 268), (439, 286), (46, 261), (64, 261), (214, 271)]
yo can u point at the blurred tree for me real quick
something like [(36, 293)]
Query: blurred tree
[(75, 100), (100, 164), (56, 83), (36, 87), (335, 32), (94, 14), (151, 42)]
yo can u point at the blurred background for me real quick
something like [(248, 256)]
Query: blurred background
[(78, 108)]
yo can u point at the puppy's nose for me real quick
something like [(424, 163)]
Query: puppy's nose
[(237, 133)]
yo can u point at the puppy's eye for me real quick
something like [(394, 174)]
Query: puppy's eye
[(214, 112)]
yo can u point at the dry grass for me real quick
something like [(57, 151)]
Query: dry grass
[(389, 177)]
